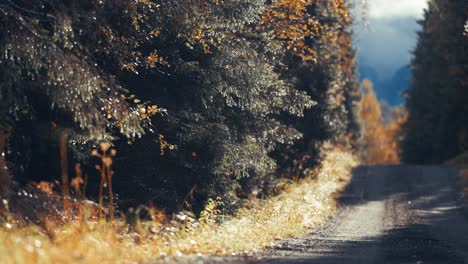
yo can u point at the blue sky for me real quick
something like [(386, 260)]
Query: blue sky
[(387, 43)]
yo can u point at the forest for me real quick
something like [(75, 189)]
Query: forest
[(431, 127), (437, 102), (144, 117), (217, 97)]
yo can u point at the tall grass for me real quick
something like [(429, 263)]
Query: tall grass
[(261, 223)]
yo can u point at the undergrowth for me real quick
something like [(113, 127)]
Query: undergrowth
[(302, 205)]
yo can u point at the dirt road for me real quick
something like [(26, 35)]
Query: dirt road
[(389, 214)]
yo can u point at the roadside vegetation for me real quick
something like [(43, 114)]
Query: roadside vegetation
[(213, 98), (260, 223), (144, 129), (139, 130)]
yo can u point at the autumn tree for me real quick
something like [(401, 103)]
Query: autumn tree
[(223, 94), (321, 62), (202, 60), (235, 79), (381, 134)]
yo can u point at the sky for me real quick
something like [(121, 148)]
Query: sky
[(396, 8), (387, 43), (384, 43)]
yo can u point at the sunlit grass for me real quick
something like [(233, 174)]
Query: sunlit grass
[(302, 206)]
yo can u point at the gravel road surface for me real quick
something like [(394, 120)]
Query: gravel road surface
[(388, 214)]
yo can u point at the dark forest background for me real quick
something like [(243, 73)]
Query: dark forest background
[(437, 101)]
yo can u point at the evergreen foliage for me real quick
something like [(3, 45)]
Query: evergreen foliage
[(329, 78), (50, 49), (236, 78), (437, 101)]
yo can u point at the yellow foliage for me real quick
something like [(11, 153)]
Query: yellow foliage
[(303, 205), (380, 137), (290, 22)]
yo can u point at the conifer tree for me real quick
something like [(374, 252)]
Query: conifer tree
[(235, 77), (437, 100), (223, 92), (327, 74)]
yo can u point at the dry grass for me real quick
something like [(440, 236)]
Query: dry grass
[(303, 205)]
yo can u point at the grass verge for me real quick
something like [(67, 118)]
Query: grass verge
[(302, 206)]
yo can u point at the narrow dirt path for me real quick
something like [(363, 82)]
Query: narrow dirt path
[(390, 214)]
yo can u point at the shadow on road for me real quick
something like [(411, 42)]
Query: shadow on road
[(389, 214), (424, 220), (367, 181), (409, 244)]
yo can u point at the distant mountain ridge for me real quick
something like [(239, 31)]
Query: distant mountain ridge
[(384, 50), (387, 89)]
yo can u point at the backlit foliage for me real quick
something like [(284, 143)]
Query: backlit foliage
[(330, 80), (207, 24), (292, 23), (240, 81), (301, 207), (225, 93), (235, 85), (381, 135), (437, 128), (43, 52), (336, 86)]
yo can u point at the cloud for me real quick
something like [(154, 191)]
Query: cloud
[(387, 42), (396, 8), (387, 47)]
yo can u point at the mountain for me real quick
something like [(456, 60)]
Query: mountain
[(387, 89)]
